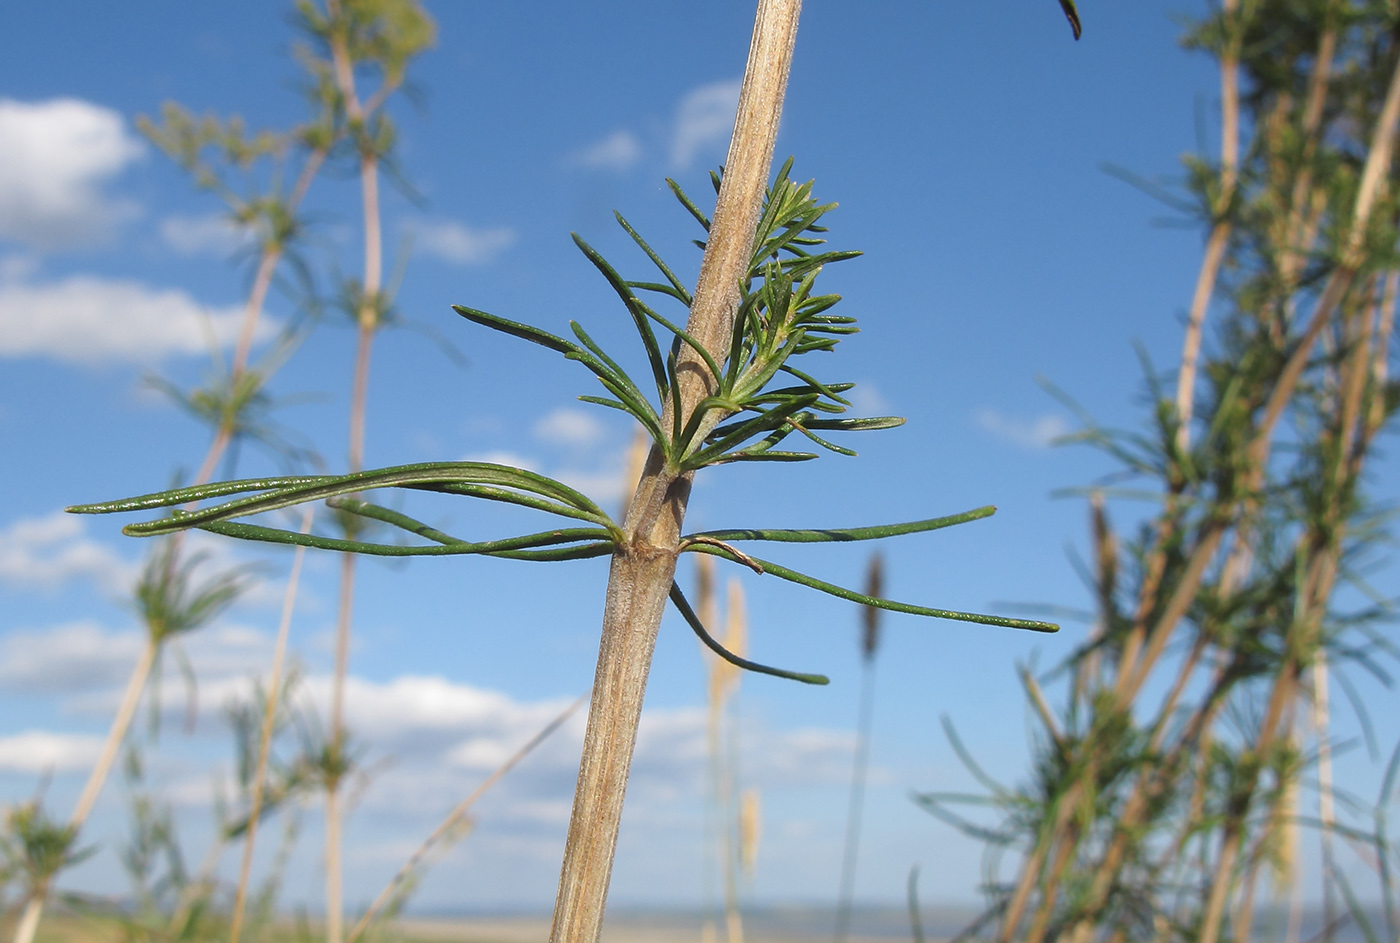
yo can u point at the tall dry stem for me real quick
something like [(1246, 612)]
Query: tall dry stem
[(643, 566), (269, 724), (367, 321), (736, 641), (451, 823), (1221, 229)]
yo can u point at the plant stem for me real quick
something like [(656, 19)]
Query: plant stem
[(274, 691), (644, 565), (857, 799), (272, 253), (115, 735), (456, 816), (33, 910), (736, 642), (1220, 232), (334, 905), (34, 907), (367, 322)]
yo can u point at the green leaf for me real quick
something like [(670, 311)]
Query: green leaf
[(600, 545), (683, 606), (840, 592), (174, 496), (799, 423), (829, 390), (764, 456), (1072, 15), (841, 535), (691, 208), (658, 368), (514, 328), (734, 433), (679, 291), (690, 341), (429, 476), (617, 375)]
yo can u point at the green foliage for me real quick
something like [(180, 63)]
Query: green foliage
[(171, 603), (1072, 14), (238, 405), (384, 33), (34, 848), (780, 318), (1151, 817)]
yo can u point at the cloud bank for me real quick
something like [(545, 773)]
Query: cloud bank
[(55, 159)]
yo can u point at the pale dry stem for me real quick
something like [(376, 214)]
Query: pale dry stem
[(451, 823), (367, 320), (34, 907), (643, 566), (1220, 232), (270, 707)]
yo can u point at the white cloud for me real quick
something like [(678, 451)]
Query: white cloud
[(867, 400), (605, 485), (214, 234), (704, 119), (575, 428), (90, 665), (502, 457), (78, 656), (46, 552), (1037, 433), (55, 157), (461, 244), (88, 319), (601, 484), (38, 751), (618, 151), (414, 704), (14, 268)]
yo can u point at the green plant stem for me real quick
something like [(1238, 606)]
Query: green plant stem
[(643, 566)]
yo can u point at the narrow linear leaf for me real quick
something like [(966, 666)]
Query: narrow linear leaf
[(855, 425), (514, 328), (690, 206), (424, 476), (619, 285), (683, 606), (840, 592), (596, 536), (764, 456), (506, 496), (833, 534), (680, 291), (1072, 15), (162, 499)]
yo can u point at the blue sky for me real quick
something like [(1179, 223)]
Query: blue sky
[(965, 143)]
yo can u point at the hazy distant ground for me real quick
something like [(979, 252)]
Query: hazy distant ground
[(783, 925), (767, 925)]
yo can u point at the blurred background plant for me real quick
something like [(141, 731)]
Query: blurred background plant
[(1173, 773)]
